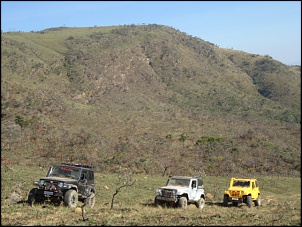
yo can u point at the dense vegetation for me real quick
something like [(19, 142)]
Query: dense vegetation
[(148, 98)]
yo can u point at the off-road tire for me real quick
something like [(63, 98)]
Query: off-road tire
[(225, 200), (258, 201), (33, 198), (249, 201), (71, 198), (90, 201), (183, 202), (157, 203), (200, 203)]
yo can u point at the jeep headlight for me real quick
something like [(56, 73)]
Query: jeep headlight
[(41, 183), (61, 184), (158, 191), (174, 193)]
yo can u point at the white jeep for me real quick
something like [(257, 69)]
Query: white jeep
[(181, 191)]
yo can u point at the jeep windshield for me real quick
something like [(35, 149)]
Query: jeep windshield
[(179, 182), (241, 184), (64, 171)]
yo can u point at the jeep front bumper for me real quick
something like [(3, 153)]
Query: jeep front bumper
[(241, 199), (167, 199), (236, 199), (41, 192)]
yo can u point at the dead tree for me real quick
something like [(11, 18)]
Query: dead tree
[(83, 206), (125, 180)]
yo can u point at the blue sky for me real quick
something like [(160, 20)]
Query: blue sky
[(260, 27)]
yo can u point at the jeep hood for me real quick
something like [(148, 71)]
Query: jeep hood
[(237, 188), (174, 187), (61, 179)]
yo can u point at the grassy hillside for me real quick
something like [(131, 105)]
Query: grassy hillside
[(149, 98)]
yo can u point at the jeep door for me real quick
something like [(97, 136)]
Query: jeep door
[(254, 190), (83, 181), (193, 190)]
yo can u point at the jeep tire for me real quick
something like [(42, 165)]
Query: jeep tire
[(33, 198), (156, 202), (249, 201), (200, 203), (258, 201), (183, 202), (71, 198), (225, 200), (90, 201)]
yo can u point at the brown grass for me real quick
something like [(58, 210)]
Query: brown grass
[(281, 203)]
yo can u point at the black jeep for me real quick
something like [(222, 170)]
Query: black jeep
[(68, 183)]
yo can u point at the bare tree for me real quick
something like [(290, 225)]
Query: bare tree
[(83, 206), (125, 180)]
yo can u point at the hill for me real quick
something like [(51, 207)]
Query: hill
[(149, 98)]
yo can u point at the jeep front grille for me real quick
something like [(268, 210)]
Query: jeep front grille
[(169, 193), (50, 185), (235, 193)]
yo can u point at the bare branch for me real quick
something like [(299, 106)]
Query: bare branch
[(124, 181)]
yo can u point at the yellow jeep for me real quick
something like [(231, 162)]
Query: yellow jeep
[(242, 190)]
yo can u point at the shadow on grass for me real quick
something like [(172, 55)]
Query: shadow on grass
[(211, 203), (208, 203)]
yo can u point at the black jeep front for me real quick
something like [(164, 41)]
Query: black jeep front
[(66, 183)]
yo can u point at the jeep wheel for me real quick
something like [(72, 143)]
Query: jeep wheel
[(258, 201), (33, 198), (91, 200), (225, 200), (156, 202), (249, 201), (183, 202), (200, 203), (71, 198)]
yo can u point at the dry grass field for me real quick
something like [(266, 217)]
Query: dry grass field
[(281, 203)]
